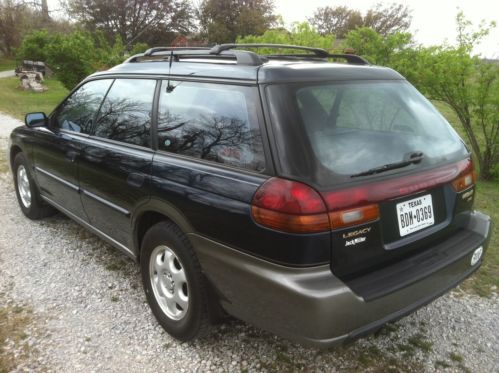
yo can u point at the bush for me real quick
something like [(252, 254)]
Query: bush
[(75, 55), (34, 46)]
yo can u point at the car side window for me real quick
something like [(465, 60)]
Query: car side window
[(77, 113), (211, 121), (126, 112)]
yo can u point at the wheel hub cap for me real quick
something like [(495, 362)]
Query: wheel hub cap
[(23, 186), (169, 282)]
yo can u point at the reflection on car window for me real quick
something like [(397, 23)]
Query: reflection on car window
[(78, 111), (126, 112), (212, 122)]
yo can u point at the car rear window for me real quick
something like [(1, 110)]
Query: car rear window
[(356, 126)]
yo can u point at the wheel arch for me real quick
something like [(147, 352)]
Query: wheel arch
[(153, 212), (13, 151)]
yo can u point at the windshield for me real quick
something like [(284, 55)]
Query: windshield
[(356, 126)]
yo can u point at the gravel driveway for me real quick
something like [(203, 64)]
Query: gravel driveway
[(85, 311)]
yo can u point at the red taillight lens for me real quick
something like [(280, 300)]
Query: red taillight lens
[(289, 206)]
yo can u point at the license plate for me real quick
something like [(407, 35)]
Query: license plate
[(415, 214)]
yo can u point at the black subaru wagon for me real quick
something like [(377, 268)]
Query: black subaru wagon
[(315, 199)]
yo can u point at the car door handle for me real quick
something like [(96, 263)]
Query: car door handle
[(72, 155), (135, 180)]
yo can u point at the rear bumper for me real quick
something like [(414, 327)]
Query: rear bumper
[(312, 306)]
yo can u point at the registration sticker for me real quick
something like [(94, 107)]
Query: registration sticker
[(415, 214)]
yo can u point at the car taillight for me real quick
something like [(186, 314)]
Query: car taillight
[(289, 206), (466, 178), (295, 207)]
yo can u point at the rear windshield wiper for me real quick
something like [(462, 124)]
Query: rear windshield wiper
[(415, 157)]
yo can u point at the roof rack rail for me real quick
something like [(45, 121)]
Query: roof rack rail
[(241, 57), (321, 53), (350, 58), (151, 51), (244, 57), (317, 52)]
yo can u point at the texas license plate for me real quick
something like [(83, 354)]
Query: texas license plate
[(415, 214)]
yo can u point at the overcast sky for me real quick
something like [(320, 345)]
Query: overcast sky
[(433, 20)]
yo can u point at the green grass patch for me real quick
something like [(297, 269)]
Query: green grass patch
[(486, 279), (454, 356), (4, 165), (441, 364), (419, 341), (7, 64), (13, 322), (17, 102)]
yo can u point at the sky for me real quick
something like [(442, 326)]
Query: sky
[(433, 20)]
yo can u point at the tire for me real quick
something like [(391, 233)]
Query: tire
[(28, 195), (181, 307)]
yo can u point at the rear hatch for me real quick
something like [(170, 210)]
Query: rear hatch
[(389, 167)]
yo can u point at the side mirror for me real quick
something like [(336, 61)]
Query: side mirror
[(36, 119)]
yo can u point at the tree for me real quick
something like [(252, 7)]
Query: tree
[(12, 19), (387, 20), (301, 34), (335, 20), (133, 20), (382, 50), (339, 20), (222, 21), (19, 17), (469, 86)]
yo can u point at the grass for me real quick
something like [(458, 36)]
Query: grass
[(4, 166), (441, 364), (7, 64), (420, 342), (486, 279), (17, 102), (454, 356), (13, 323)]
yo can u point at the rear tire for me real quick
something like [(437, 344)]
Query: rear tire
[(175, 287), (28, 195)]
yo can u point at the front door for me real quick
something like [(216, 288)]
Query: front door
[(57, 148), (115, 165)]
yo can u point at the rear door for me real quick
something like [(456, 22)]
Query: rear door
[(115, 165), (56, 150)]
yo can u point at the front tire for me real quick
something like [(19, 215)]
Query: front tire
[(28, 196), (175, 287)]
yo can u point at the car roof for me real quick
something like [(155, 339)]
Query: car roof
[(225, 62), (271, 72)]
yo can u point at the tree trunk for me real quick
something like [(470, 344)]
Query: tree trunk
[(45, 10)]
